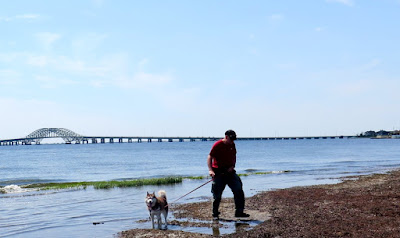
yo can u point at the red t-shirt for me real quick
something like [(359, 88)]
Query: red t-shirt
[(224, 155)]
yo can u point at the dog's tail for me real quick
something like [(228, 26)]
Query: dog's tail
[(162, 194)]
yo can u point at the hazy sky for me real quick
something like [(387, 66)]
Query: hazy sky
[(198, 68)]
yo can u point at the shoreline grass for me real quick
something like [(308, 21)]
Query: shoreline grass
[(125, 183), (106, 184)]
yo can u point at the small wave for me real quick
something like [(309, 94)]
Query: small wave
[(31, 193), (270, 172), (250, 170), (266, 172), (13, 189), (280, 171), (25, 181), (274, 172)]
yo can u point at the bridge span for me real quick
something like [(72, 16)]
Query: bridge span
[(70, 137)]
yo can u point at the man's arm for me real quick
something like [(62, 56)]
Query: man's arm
[(209, 163)]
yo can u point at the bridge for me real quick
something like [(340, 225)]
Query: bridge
[(70, 137)]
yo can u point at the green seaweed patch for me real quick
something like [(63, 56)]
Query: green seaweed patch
[(243, 175), (107, 184), (45, 186), (261, 173), (137, 182)]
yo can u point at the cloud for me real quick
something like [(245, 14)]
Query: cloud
[(143, 63), (9, 57), (88, 42), (66, 65), (37, 60), (98, 83), (374, 63), (345, 2), (276, 17), (287, 66), (232, 83), (143, 80), (84, 68), (152, 79), (28, 17), (8, 76), (98, 3), (5, 19), (253, 51), (47, 39), (355, 87), (116, 70), (79, 69), (46, 81), (113, 70)]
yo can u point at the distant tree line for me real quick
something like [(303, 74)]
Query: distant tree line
[(381, 133)]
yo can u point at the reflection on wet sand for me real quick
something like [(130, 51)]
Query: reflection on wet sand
[(239, 226)]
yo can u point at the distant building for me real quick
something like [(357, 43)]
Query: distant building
[(369, 134), (396, 134), (382, 133)]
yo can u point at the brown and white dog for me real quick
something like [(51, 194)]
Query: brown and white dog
[(157, 206)]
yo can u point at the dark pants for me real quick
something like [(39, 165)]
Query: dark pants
[(235, 184)]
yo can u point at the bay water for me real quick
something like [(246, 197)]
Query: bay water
[(73, 212)]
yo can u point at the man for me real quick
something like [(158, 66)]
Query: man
[(221, 165)]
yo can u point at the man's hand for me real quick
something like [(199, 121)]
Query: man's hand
[(212, 173), (209, 164)]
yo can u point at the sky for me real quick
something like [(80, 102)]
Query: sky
[(198, 68)]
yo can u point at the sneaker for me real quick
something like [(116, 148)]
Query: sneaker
[(216, 215), (241, 214)]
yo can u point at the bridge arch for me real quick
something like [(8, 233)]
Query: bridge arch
[(67, 135)]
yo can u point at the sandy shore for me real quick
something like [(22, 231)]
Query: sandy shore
[(366, 206)]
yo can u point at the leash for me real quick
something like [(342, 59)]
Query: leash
[(192, 190)]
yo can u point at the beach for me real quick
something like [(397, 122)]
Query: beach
[(359, 206)]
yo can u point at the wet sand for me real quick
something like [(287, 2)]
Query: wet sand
[(365, 206)]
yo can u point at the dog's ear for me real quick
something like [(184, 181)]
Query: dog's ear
[(148, 194)]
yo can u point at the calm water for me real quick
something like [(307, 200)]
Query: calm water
[(71, 213)]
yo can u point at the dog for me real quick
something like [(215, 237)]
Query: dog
[(157, 206)]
